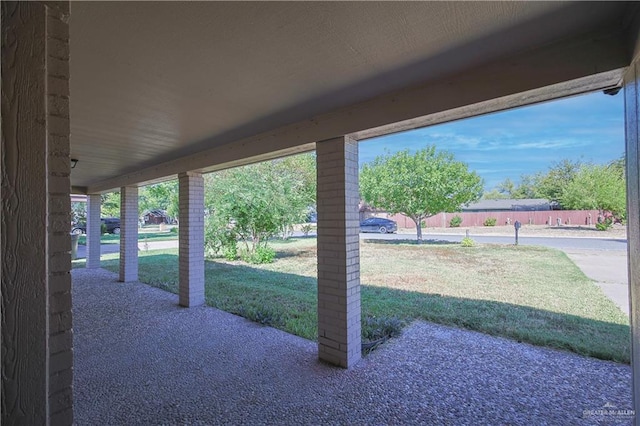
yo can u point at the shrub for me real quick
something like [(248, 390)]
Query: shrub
[(174, 230), (306, 228), (604, 225), (455, 221), (219, 239), (103, 228), (262, 254), (490, 221), (467, 242), (230, 250)]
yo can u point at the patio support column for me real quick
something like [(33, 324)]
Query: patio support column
[(339, 340), (129, 233), (191, 242), (632, 134), (94, 202), (37, 338)]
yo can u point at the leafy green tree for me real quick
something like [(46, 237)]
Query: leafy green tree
[(297, 176), (260, 200), (600, 187), (160, 196), (619, 164), (79, 212), (494, 194), (551, 185), (505, 189), (111, 204), (419, 185)]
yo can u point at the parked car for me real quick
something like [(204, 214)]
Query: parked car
[(112, 225), (378, 224)]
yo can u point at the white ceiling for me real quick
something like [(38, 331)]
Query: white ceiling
[(153, 82)]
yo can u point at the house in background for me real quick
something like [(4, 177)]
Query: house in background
[(156, 217)]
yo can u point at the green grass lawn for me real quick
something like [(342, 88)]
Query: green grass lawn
[(530, 294), (142, 236)]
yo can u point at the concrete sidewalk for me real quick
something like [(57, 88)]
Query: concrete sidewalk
[(115, 248), (608, 268)]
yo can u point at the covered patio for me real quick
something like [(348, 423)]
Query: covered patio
[(141, 359), (133, 93)]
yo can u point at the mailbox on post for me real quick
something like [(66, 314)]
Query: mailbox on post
[(517, 226)]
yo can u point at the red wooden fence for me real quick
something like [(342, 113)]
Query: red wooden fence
[(442, 220)]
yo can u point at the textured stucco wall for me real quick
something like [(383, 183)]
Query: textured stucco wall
[(37, 358)]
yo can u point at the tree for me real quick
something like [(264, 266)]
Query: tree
[(600, 187), (527, 188), (494, 194), (160, 196), (551, 185), (419, 185), (505, 189), (297, 176), (79, 212), (260, 200), (620, 164), (111, 204)]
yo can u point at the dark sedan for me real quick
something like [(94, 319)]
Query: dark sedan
[(378, 224), (112, 225)]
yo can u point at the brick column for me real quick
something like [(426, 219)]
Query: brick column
[(191, 244), (37, 338), (632, 135), (339, 339), (129, 233), (94, 202)]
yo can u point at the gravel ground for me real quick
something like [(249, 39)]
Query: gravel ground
[(141, 359)]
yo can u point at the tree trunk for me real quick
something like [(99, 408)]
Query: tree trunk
[(418, 222)]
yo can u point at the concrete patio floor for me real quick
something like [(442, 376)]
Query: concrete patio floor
[(142, 359)]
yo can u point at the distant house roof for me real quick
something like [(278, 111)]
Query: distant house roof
[(527, 204), (156, 213)]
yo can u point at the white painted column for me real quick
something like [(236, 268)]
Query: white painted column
[(94, 203), (129, 233), (191, 243), (339, 338), (37, 336), (632, 118)]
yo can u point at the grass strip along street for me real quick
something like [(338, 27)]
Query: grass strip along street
[(144, 236), (530, 294)]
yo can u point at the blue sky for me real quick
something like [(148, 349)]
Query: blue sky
[(521, 141)]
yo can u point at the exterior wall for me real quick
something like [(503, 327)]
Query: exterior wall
[(632, 133), (191, 239), (129, 233), (339, 335), (94, 203), (441, 220), (37, 336)]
